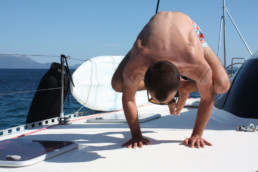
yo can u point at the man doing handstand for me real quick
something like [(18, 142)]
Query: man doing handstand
[(170, 45)]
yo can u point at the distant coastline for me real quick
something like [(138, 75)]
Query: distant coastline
[(24, 62)]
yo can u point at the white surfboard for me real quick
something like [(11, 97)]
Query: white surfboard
[(93, 88)]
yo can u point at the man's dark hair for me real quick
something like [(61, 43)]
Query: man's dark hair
[(162, 77)]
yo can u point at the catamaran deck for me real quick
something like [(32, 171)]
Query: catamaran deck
[(99, 145)]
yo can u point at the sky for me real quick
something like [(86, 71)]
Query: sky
[(84, 29)]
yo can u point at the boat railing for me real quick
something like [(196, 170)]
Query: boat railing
[(46, 123), (235, 61)]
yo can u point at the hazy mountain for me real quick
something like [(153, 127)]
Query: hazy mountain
[(23, 62)]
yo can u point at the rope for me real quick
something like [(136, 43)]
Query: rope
[(239, 32), (220, 33), (78, 59), (89, 88), (35, 55), (29, 91), (157, 8), (40, 55), (250, 128)]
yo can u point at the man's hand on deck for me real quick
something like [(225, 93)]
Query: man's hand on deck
[(196, 141), (136, 142)]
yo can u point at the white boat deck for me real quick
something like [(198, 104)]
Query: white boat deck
[(100, 145)]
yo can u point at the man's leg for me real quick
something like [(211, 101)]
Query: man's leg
[(220, 77)]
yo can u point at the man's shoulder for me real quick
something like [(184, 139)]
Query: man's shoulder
[(136, 66), (133, 74)]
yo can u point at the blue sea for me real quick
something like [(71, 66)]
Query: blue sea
[(14, 106)]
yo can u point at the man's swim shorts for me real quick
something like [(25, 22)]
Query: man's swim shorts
[(199, 34)]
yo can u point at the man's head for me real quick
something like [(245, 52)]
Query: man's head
[(162, 78)]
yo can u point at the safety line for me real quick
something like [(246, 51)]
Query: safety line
[(29, 91), (35, 55), (40, 55)]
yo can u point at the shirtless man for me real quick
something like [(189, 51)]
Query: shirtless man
[(170, 45)]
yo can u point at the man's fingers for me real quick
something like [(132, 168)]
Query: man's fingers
[(178, 110), (126, 144), (179, 106), (140, 144), (198, 144), (172, 109), (136, 142), (207, 143), (146, 142), (202, 143), (135, 145), (186, 141), (181, 103), (192, 144)]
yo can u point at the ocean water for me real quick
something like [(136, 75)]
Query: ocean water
[(14, 106)]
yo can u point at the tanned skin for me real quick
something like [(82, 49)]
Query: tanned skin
[(170, 36)]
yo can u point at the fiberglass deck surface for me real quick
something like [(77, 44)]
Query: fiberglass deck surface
[(100, 146)]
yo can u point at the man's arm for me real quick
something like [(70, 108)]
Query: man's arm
[(131, 113), (205, 89)]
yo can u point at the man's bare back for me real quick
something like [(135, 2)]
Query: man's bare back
[(168, 36)]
